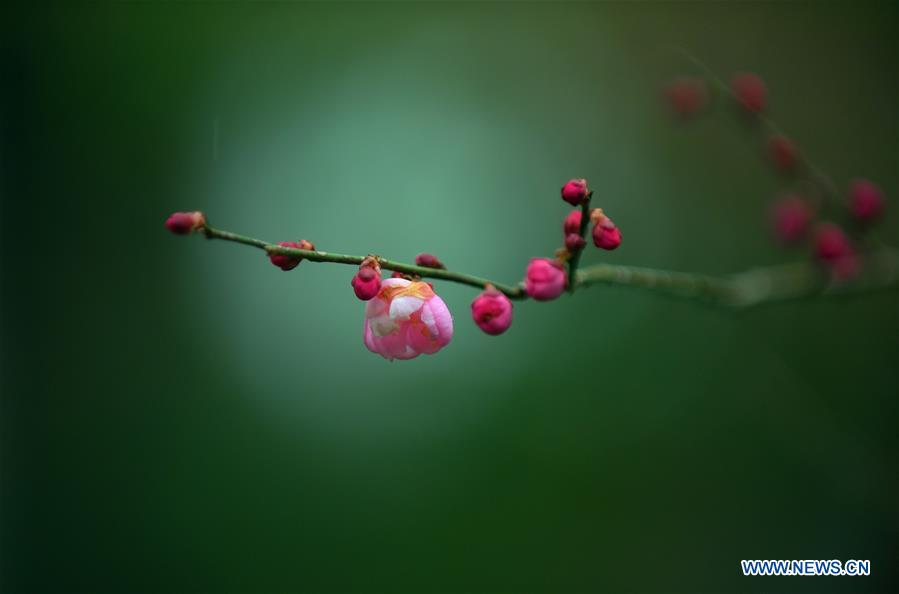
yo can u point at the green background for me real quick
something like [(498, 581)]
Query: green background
[(179, 415)]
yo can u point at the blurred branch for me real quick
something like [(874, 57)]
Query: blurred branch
[(745, 289), (753, 287)]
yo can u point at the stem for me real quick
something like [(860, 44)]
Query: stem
[(576, 256), (745, 289), (318, 256)]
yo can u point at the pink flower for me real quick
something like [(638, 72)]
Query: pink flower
[(492, 311), (572, 222), (545, 279), (687, 96), (750, 91), (184, 223), (575, 191), (286, 263), (865, 200), (406, 319), (605, 234), (367, 281), (790, 217), (783, 153), (428, 261)]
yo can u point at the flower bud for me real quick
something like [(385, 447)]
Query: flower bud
[(572, 222), (750, 91), (865, 200), (687, 96), (575, 191), (545, 279), (367, 281), (790, 218), (428, 261), (185, 223), (492, 311), (831, 243), (783, 153), (286, 263), (574, 242), (605, 234)]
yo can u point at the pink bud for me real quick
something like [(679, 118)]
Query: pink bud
[(831, 243), (428, 261), (367, 281), (492, 311), (605, 234), (790, 217), (574, 242), (397, 274), (572, 222), (545, 279), (184, 223), (865, 200), (575, 191), (750, 91), (687, 96), (286, 263), (783, 153)]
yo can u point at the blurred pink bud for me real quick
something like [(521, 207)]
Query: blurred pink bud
[(783, 153), (367, 281), (572, 222), (428, 261), (846, 267), (750, 91), (545, 279), (605, 234), (406, 319), (184, 223), (687, 96), (397, 274), (865, 200), (492, 311), (574, 242), (831, 243), (790, 217), (286, 263), (575, 191)]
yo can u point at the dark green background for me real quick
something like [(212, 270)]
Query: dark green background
[(179, 415)]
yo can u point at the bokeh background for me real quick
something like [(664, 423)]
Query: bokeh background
[(180, 416)]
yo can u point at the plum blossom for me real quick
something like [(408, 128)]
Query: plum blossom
[(406, 319)]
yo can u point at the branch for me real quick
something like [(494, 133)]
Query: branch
[(745, 289), (753, 287), (513, 292)]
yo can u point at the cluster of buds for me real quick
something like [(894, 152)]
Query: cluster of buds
[(796, 217), (546, 279)]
